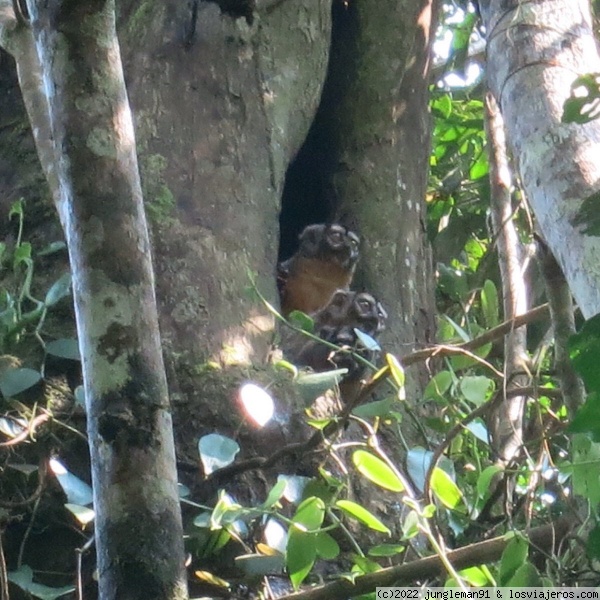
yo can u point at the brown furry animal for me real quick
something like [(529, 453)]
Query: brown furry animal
[(325, 262)]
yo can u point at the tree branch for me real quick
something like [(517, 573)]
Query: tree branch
[(545, 536)]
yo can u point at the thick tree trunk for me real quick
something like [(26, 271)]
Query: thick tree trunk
[(229, 105), (382, 150), (535, 51)]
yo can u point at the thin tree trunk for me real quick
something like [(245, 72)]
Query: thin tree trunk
[(83, 128), (506, 421)]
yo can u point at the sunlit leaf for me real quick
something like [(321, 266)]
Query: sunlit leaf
[(475, 388), (76, 490), (361, 514), (257, 403), (216, 451), (208, 577), (275, 535), (445, 489), (377, 471), (83, 514), (294, 486)]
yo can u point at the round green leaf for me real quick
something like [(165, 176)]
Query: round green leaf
[(15, 381), (64, 348), (216, 451), (310, 514), (327, 547), (475, 388)]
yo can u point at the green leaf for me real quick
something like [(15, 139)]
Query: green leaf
[(485, 479), (386, 550), (52, 248), (526, 576), (446, 490), (514, 556), (587, 418), (378, 408), (583, 105), (15, 381), (275, 494), (593, 543), (438, 386), (301, 553), (258, 565), (312, 385), (410, 526), (489, 304), (64, 348), (327, 547), (216, 451), (396, 369), (475, 388), (362, 514), (301, 320), (60, 289), (584, 469), (376, 471), (16, 209), (584, 348), (22, 254), (310, 514), (23, 578)]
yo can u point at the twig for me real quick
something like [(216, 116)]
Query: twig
[(3, 572)]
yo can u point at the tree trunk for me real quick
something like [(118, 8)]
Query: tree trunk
[(535, 52), (73, 84)]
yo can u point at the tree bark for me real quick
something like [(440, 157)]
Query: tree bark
[(535, 52), (382, 145), (73, 83)]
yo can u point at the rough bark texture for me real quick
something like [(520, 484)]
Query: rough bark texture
[(382, 141), (535, 51), (74, 87), (221, 104), (229, 105)]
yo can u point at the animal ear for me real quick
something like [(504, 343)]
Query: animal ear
[(339, 297), (311, 234)]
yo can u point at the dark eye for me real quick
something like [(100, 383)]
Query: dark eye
[(364, 306)]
